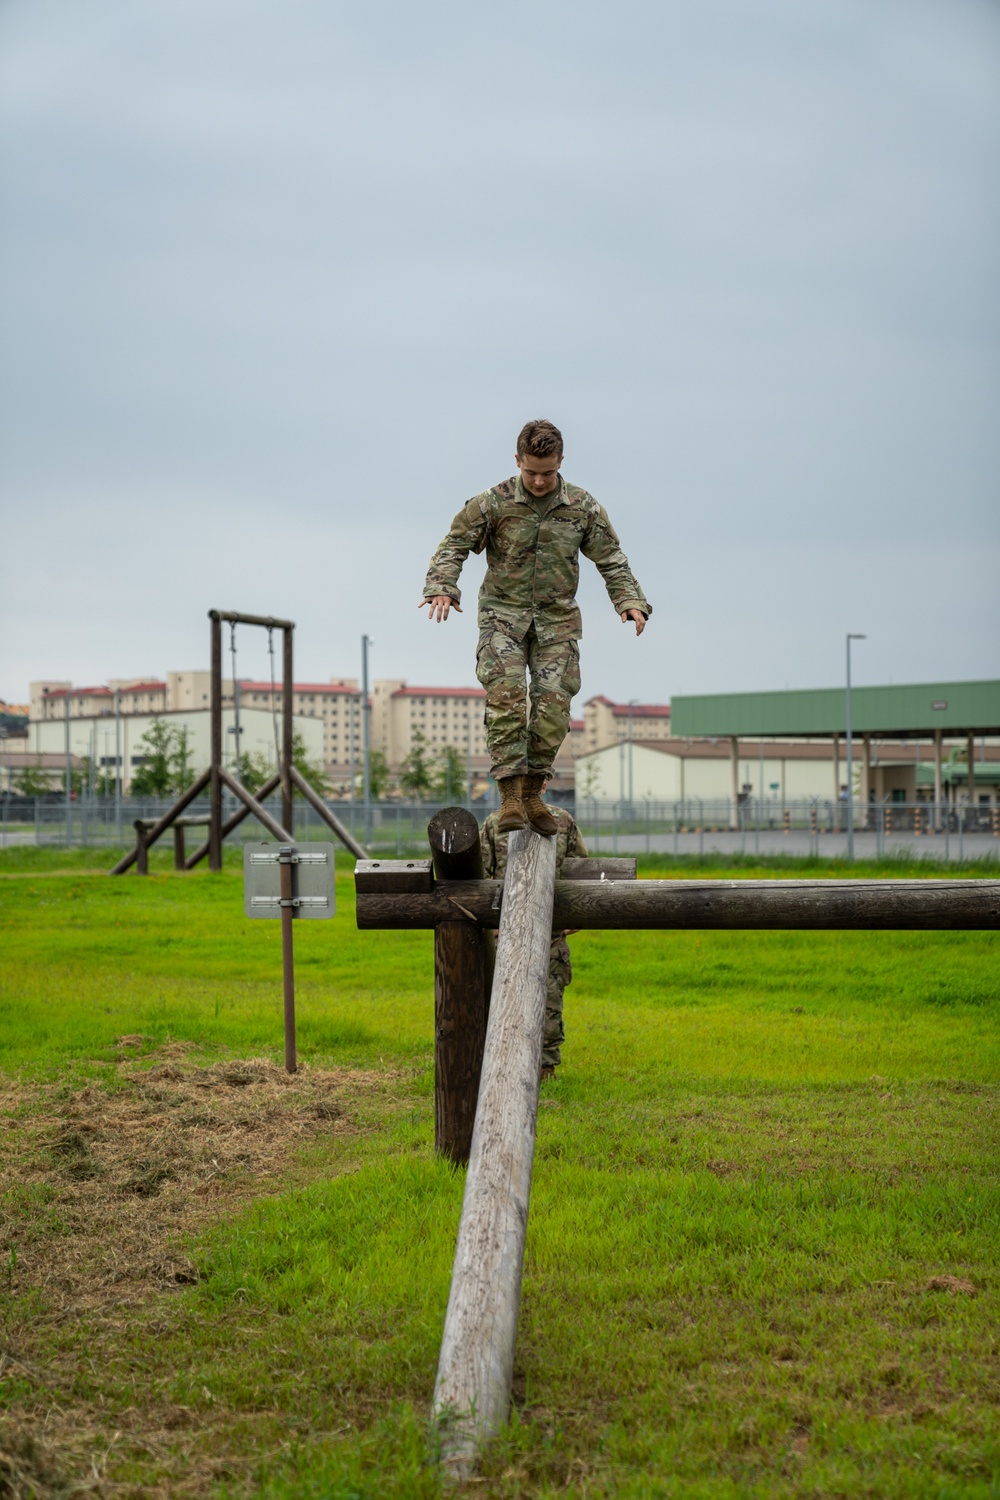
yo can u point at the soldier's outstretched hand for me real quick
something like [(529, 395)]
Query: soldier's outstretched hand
[(636, 615), (442, 603)]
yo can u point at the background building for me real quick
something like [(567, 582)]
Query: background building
[(608, 723), (933, 742)]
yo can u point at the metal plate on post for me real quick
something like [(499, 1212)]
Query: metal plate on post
[(313, 880)]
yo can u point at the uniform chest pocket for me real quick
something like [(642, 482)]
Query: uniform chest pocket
[(515, 533), (564, 537)]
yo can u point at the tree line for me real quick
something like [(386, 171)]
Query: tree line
[(165, 761)]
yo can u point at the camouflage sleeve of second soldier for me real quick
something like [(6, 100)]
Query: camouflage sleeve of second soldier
[(467, 534), (488, 850), (602, 546), (574, 843)]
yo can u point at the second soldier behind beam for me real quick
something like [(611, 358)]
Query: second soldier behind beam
[(533, 528), (569, 842)]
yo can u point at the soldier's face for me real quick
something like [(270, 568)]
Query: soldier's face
[(540, 476)]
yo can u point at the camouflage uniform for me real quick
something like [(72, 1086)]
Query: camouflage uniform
[(528, 614), (569, 840)]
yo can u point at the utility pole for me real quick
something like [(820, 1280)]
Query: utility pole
[(851, 636), (118, 766), (69, 776), (631, 701), (366, 770), (468, 752)]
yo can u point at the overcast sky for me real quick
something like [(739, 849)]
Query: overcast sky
[(281, 281)]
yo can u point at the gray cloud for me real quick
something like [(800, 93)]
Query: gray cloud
[(280, 284)]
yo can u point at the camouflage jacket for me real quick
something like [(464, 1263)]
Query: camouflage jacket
[(532, 551), (569, 841)]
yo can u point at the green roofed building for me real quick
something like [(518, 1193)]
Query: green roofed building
[(914, 739), (953, 710)]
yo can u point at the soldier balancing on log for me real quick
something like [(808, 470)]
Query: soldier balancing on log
[(533, 527), (569, 842)]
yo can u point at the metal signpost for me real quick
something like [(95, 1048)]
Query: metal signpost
[(289, 881)]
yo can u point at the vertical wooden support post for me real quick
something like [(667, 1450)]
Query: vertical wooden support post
[(215, 785), (287, 888), (937, 781), (459, 989), (141, 847), (472, 1390), (287, 728), (971, 752), (179, 850)]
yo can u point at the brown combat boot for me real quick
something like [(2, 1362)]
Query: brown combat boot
[(535, 810), (511, 812)]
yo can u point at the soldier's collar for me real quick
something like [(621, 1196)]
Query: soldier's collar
[(556, 497)]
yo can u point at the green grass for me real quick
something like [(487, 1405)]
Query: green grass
[(761, 1151)]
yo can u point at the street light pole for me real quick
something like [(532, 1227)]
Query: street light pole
[(69, 777), (118, 766), (631, 701), (366, 769), (851, 636)]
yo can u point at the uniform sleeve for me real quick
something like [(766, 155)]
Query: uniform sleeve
[(467, 534), (602, 546), (488, 849), (574, 842)]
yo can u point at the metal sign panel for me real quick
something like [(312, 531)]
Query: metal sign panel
[(313, 879)]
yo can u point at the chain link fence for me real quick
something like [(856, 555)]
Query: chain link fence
[(939, 831)]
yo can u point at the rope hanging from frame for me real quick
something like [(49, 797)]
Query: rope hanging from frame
[(236, 702), (282, 769)]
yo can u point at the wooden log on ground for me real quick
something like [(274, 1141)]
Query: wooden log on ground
[(472, 1390), (164, 823), (459, 988), (931, 905)]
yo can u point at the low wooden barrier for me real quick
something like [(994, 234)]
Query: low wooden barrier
[(739, 904)]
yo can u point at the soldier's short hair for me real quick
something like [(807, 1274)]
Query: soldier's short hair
[(539, 439)]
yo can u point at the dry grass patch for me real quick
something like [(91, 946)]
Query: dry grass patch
[(102, 1186), (125, 1175)]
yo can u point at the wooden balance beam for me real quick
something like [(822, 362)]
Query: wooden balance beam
[(472, 1390), (463, 951)]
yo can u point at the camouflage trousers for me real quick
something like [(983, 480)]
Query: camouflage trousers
[(560, 974), (525, 726)]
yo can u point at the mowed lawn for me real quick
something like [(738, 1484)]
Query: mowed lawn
[(765, 1220)]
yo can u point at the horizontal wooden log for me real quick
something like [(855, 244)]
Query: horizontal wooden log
[(397, 877), (597, 867), (236, 618), (738, 904), (393, 877), (199, 822)]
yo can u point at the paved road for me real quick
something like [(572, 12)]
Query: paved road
[(828, 845)]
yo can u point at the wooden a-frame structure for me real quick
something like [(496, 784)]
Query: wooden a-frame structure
[(216, 776)]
